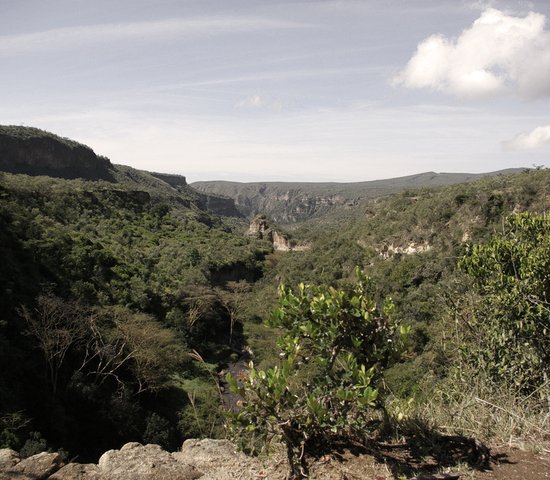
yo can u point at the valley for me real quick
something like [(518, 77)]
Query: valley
[(124, 294)]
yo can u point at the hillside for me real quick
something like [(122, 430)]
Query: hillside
[(124, 300), (290, 202), (35, 152), (108, 285)]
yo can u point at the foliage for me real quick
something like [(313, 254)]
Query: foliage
[(507, 331), (26, 133), (104, 287), (336, 343), (11, 425), (34, 444)]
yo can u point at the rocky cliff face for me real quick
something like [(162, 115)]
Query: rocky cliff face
[(219, 205), (171, 179), (283, 204), (291, 202), (214, 203), (261, 229), (34, 152)]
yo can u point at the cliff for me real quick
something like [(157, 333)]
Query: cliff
[(219, 205), (291, 202), (171, 179), (31, 151), (261, 229), (35, 152)]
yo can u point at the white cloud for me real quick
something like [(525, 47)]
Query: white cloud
[(72, 37), (260, 102), (498, 53), (532, 140)]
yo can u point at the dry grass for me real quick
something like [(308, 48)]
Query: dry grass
[(493, 414)]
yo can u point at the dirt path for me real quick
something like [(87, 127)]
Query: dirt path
[(396, 463), (511, 464)]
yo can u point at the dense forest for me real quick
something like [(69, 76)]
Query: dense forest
[(107, 289), (123, 298)]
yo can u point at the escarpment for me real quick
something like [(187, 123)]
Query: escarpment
[(34, 152)]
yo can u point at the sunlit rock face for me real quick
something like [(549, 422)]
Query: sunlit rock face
[(261, 229)]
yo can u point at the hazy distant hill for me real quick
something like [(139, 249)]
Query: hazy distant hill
[(288, 202)]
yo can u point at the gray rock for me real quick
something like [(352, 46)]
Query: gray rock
[(150, 462), (73, 471), (8, 458), (37, 467), (220, 460)]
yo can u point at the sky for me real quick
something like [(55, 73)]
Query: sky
[(284, 90)]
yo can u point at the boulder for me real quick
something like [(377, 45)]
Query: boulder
[(37, 467), (150, 462), (220, 460), (72, 471), (8, 459), (261, 229)]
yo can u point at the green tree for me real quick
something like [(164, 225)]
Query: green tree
[(508, 326), (335, 345)]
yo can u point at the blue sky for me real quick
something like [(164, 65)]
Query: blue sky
[(303, 90)]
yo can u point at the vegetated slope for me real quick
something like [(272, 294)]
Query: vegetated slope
[(289, 202), (110, 289), (409, 244), (107, 287)]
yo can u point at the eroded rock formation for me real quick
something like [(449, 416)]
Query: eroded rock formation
[(261, 229)]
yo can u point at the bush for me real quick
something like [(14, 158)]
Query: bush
[(335, 345), (506, 331)]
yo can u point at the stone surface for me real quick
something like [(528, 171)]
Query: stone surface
[(37, 467), (73, 471), (150, 462), (35, 152), (261, 229), (219, 460), (8, 458)]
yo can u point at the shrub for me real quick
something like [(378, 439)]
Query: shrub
[(335, 345), (507, 328)]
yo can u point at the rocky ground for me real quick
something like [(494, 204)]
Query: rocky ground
[(218, 460)]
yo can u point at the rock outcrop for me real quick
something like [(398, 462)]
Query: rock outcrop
[(37, 467), (8, 459), (151, 462), (205, 459), (261, 229), (388, 251), (35, 152), (220, 460), (171, 179), (219, 205)]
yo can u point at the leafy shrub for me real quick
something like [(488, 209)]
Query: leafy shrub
[(507, 329), (334, 347)]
